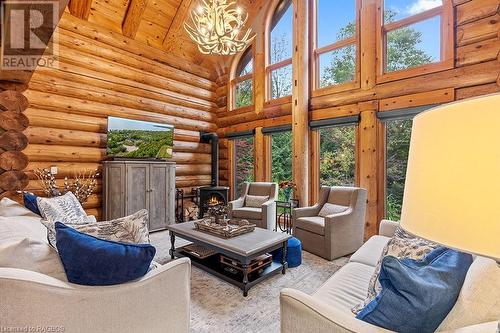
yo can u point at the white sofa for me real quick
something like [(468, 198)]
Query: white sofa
[(40, 296), (329, 308)]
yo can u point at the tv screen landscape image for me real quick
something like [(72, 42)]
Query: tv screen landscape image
[(139, 139)]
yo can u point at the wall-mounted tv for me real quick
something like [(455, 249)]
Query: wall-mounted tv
[(139, 139)]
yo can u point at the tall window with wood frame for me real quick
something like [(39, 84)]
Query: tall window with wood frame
[(416, 37), (243, 160), (337, 151), (397, 146), (335, 42), (279, 51), (242, 83)]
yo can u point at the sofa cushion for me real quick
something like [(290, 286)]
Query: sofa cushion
[(9, 208), (92, 261), (416, 295), (331, 209), (65, 208), (21, 227), (129, 229), (255, 201), (314, 224), (370, 252), (251, 213), (32, 255), (347, 287), (479, 299)]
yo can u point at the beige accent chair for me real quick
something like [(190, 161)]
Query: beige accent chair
[(265, 216), (337, 234)]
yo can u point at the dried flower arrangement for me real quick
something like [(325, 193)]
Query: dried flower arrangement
[(82, 186)]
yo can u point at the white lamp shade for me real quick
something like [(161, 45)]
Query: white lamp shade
[(452, 191)]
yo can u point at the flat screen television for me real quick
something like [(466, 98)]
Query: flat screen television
[(139, 139)]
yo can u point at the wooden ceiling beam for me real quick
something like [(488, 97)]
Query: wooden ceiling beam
[(174, 31), (133, 17), (80, 8)]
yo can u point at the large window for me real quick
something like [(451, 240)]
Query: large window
[(280, 38), (397, 143), (242, 84), (243, 163), (335, 51), (338, 155), (415, 33), (281, 154)]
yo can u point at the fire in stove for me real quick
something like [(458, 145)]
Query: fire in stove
[(214, 201)]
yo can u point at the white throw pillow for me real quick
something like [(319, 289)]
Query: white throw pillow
[(65, 209), (9, 208), (130, 229), (255, 201), (33, 255), (330, 209), (479, 298)]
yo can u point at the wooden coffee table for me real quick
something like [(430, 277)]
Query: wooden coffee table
[(243, 248)]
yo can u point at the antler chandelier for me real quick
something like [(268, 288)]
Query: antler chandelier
[(215, 27)]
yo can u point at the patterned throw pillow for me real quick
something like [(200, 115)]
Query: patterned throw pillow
[(330, 209), (130, 229), (255, 201), (402, 246), (65, 209)]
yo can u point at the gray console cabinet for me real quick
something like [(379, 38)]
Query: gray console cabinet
[(130, 186)]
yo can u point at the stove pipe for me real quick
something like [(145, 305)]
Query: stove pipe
[(213, 139)]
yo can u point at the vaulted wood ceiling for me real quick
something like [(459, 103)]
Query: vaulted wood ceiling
[(158, 23)]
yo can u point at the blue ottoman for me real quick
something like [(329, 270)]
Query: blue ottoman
[(293, 253)]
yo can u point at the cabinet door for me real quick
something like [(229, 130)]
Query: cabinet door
[(137, 194), (114, 201), (160, 196)]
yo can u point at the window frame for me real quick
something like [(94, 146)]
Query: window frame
[(445, 12), (269, 68), (237, 79), (317, 52)]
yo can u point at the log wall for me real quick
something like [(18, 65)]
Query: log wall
[(475, 72), (104, 74)]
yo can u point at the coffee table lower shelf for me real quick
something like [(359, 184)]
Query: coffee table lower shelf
[(213, 266)]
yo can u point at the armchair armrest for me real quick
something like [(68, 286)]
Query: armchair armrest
[(163, 294), (387, 228), (269, 213), (306, 211), (238, 203), (301, 313)]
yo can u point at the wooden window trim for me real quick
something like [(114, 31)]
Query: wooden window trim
[(317, 52), (447, 42)]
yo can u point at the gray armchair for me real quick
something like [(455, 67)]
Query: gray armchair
[(264, 216), (340, 230)]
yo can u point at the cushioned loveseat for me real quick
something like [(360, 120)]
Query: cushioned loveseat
[(329, 308), (34, 291)]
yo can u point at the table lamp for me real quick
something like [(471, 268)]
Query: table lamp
[(452, 191)]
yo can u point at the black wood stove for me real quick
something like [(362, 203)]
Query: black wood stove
[(213, 194)]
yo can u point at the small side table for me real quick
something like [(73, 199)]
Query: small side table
[(286, 215)]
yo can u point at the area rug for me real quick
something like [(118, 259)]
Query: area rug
[(217, 306)]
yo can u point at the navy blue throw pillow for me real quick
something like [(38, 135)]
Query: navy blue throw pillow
[(92, 261), (30, 202), (416, 295)]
